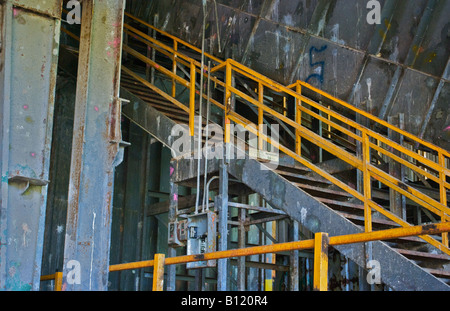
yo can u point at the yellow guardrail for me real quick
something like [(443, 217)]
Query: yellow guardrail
[(372, 143), (320, 244), (57, 277)]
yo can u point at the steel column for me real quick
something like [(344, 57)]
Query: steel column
[(95, 147), (28, 61), (173, 208), (221, 202), (241, 277)]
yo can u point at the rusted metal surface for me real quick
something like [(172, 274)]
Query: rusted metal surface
[(27, 88), (95, 147)]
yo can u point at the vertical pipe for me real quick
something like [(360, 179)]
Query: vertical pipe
[(205, 204), (192, 101), (321, 242), (158, 273)]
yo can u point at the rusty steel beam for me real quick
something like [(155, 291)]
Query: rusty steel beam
[(28, 65), (95, 147)]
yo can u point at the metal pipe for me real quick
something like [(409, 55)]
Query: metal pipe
[(205, 194), (200, 109)]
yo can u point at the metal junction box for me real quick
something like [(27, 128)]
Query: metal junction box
[(201, 238)]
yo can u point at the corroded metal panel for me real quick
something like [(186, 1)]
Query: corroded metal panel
[(28, 79), (51, 8)]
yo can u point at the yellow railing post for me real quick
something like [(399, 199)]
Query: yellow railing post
[(443, 194), (158, 272), (260, 115), (321, 242), (228, 82), (58, 281), (298, 120), (174, 68), (192, 101), (366, 183)]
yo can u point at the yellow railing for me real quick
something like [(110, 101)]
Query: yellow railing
[(57, 277), (368, 140), (320, 244), (373, 143)]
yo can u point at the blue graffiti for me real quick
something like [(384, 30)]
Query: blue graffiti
[(320, 64)]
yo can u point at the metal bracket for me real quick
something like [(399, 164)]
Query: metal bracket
[(29, 180)]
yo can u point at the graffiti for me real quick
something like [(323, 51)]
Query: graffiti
[(318, 67)]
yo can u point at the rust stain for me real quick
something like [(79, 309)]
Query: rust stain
[(429, 229)]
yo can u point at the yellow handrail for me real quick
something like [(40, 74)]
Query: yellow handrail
[(319, 275), (319, 244), (363, 164)]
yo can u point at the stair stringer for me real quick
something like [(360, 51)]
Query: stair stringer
[(398, 272)]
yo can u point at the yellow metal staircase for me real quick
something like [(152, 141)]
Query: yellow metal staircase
[(361, 142)]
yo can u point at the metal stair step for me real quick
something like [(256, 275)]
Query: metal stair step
[(443, 274), (417, 255), (353, 208), (318, 191), (299, 177), (376, 222)]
